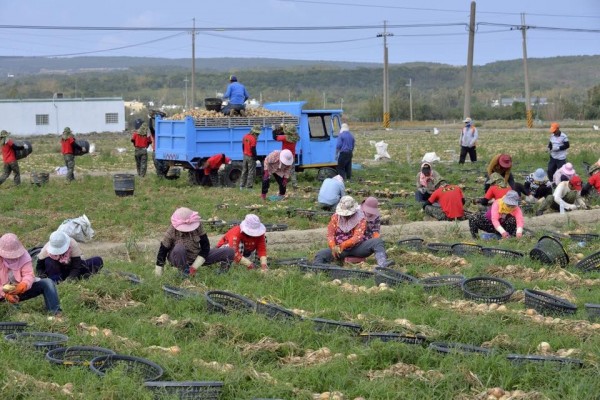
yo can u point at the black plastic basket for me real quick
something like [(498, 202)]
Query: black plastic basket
[(593, 311), (135, 367), (275, 311), (185, 390), (590, 263), (276, 227), (415, 243), (348, 273), (440, 248), (310, 214), (76, 355), (39, 340), (548, 250), (316, 268), (493, 252), (584, 237), (131, 277), (283, 262), (391, 277), (179, 293), (367, 337), (548, 304), (487, 289), (559, 361), (329, 324), (458, 348), (225, 302), (445, 282), (463, 249), (7, 327)]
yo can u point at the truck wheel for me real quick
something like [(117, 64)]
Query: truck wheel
[(326, 172), (233, 172)]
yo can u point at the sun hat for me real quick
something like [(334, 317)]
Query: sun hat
[(568, 169), (345, 128), (494, 178), (440, 182), (233, 78), (4, 133), (505, 161), (370, 205), (67, 130), (256, 129), (347, 207), (185, 220), (59, 243), (252, 226), (540, 175), (511, 198), (554, 127), (467, 120), (11, 247), (286, 157), (576, 182)]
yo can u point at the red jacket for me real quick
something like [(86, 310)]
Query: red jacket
[(8, 152), (235, 237), (141, 141), (286, 145), (249, 145), (67, 145), (214, 162)]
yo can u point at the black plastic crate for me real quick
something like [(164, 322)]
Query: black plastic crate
[(549, 250), (185, 390), (458, 348), (134, 367), (463, 249), (8, 327), (558, 361), (225, 302), (548, 304), (322, 324), (76, 355), (415, 243), (391, 277), (348, 273), (487, 289), (368, 337), (439, 248), (39, 340), (444, 282), (276, 311), (590, 263), (493, 252)]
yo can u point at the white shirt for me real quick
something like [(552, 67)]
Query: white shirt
[(556, 141)]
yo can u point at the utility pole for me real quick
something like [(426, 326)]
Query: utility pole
[(386, 101), (324, 100), (186, 93), (527, 92), (194, 64), (410, 97), (469, 77)]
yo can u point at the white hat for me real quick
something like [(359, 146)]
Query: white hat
[(252, 226), (286, 157), (59, 243), (345, 128)]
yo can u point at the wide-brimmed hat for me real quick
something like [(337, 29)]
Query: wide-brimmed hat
[(347, 206), (370, 205), (511, 198), (286, 157), (4, 134), (256, 129), (59, 243), (568, 169), (540, 175), (467, 120), (505, 161), (185, 220), (494, 178), (554, 127), (10, 246), (67, 131), (252, 226), (575, 181)]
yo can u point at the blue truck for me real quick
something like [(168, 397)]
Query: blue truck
[(186, 143)]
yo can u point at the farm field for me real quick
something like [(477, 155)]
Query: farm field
[(257, 357)]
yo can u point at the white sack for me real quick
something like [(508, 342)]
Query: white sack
[(79, 228)]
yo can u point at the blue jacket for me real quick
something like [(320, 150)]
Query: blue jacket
[(345, 142), (236, 93), (331, 191)]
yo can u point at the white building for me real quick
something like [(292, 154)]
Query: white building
[(32, 117)]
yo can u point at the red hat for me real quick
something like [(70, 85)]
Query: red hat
[(575, 181), (505, 161)]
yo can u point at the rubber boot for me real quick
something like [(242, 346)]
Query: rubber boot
[(382, 260)]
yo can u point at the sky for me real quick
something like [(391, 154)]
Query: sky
[(330, 30)]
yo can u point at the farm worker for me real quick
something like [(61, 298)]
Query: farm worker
[(62, 259), (141, 140), (185, 245), (450, 201), (468, 141), (557, 146), (564, 173), (160, 166), (343, 151), (249, 162), (246, 238), (214, 170), (346, 236), (498, 188), (503, 217), (68, 144), (237, 95), (279, 164), (17, 278), (567, 196), (331, 191), (501, 164), (537, 185), (370, 208), (593, 182), (9, 158), (288, 140), (426, 179)]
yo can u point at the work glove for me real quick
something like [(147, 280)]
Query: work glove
[(11, 298), (505, 235), (247, 263), (158, 270), (198, 262), (263, 264), (251, 266), (20, 289), (519, 234)]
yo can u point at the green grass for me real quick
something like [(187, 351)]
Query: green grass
[(112, 302)]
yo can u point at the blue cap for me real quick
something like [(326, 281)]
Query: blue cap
[(233, 78)]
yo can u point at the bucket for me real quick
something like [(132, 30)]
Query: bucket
[(39, 178), (213, 103), (124, 184)]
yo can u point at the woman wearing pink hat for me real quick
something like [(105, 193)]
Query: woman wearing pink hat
[(186, 246), (564, 173), (370, 208), (246, 238), (279, 164), (17, 278)]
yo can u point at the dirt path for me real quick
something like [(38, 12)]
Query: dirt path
[(428, 230)]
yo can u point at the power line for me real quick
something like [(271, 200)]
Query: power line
[(285, 42)]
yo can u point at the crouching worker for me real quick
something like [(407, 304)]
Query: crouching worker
[(214, 170), (17, 278), (278, 163), (346, 236), (331, 191), (186, 246), (567, 196), (450, 202), (61, 259), (246, 238), (503, 217)]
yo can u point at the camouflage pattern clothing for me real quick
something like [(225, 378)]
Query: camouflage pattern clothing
[(248, 172), (70, 163), (8, 168), (141, 160)]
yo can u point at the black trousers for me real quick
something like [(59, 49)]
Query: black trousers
[(344, 167), (463, 154)]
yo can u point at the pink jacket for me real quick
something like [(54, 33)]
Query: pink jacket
[(495, 218), (22, 274)]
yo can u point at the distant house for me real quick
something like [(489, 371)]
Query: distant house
[(30, 117), (508, 101)]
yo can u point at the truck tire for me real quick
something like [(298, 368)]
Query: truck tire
[(233, 172), (326, 172)]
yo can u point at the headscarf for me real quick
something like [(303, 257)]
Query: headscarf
[(346, 224), (424, 179), (16, 263), (504, 208)]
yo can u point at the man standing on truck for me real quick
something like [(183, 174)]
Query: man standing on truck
[(249, 163), (237, 95), (343, 152), (288, 136)]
